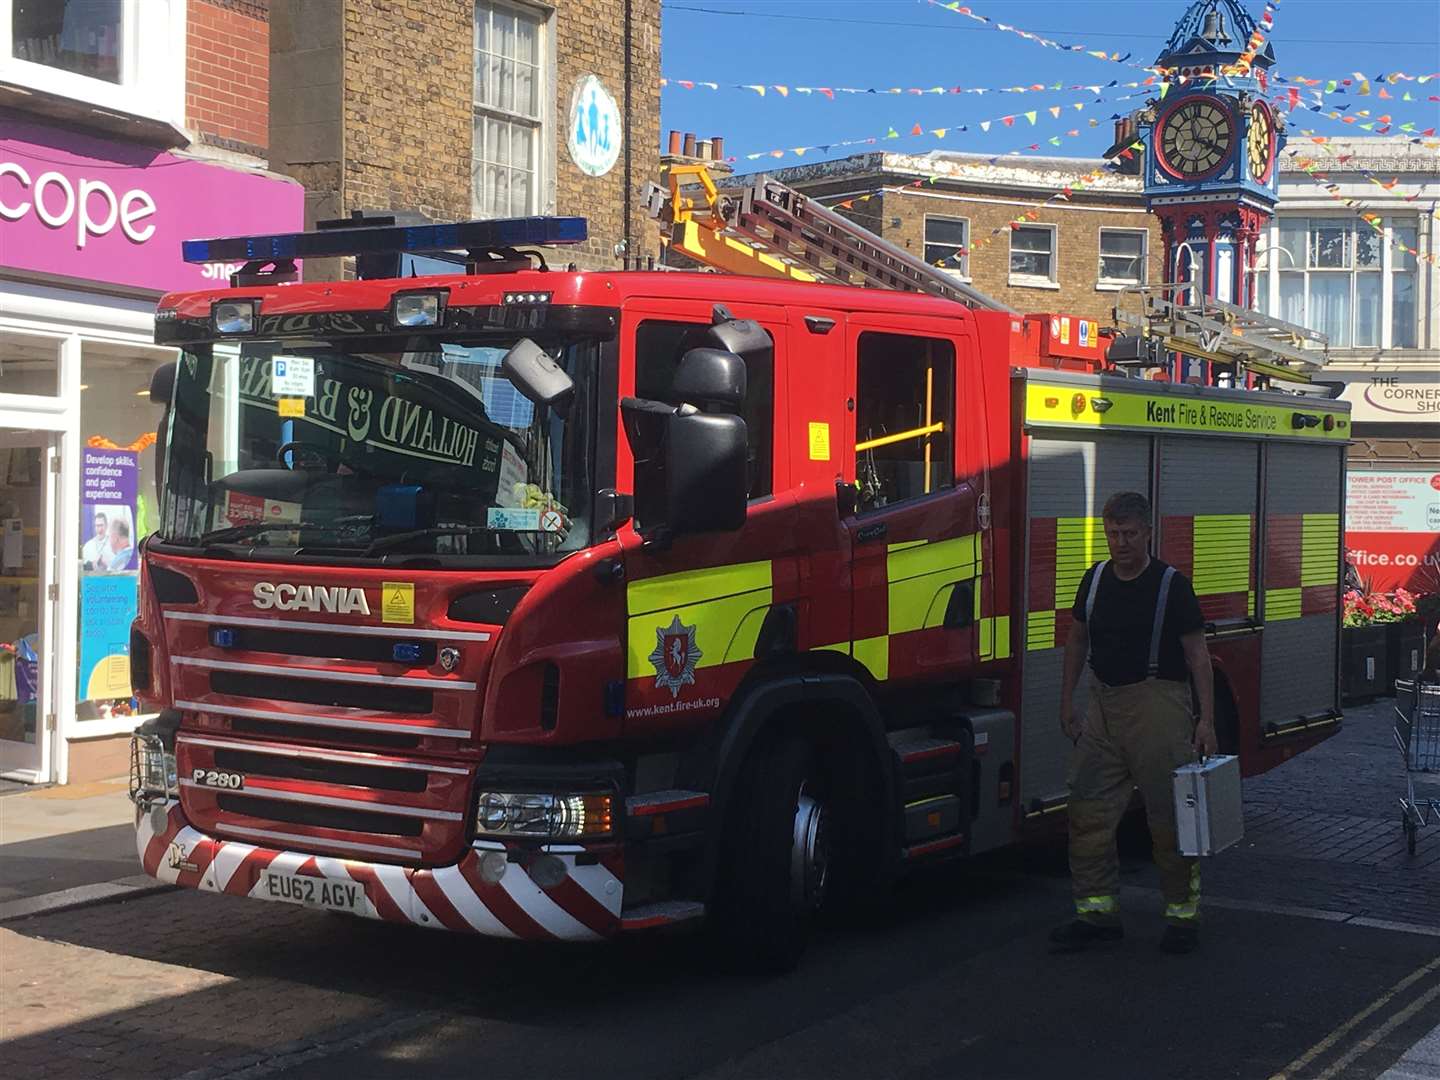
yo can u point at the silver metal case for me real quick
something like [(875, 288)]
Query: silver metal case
[(1209, 813)]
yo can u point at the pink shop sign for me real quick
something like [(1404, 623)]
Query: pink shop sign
[(88, 208)]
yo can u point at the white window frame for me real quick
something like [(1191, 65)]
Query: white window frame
[(1037, 281), (1273, 261), (542, 162), (1104, 284), (963, 273), (152, 64)]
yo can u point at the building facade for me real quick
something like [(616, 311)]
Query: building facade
[(1340, 258), (125, 127), (960, 212), (458, 109)]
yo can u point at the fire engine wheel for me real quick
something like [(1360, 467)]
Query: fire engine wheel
[(775, 860)]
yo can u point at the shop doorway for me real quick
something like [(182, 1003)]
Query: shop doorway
[(29, 542)]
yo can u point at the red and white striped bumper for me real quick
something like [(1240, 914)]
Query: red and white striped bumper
[(584, 906)]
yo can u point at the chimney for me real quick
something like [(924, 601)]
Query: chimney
[(702, 149), (717, 148), (674, 143), (689, 150)]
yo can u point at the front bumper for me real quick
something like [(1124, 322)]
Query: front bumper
[(583, 905)]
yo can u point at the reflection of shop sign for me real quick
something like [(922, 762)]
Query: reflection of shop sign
[(595, 127), (367, 416)]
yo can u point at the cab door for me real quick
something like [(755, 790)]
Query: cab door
[(913, 534), (699, 605)]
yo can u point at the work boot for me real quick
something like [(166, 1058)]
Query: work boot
[(1180, 939), (1080, 934)]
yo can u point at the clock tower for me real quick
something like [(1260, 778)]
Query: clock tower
[(1210, 147)]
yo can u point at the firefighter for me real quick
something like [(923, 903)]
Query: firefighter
[(1140, 622)]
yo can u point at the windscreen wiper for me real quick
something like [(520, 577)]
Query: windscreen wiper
[(256, 528), (386, 543)]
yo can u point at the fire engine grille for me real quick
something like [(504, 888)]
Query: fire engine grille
[(395, 699), (321, 771), (318, 734), (323, 817), (380, 650)]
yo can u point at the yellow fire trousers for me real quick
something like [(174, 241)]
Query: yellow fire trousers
[(1135, 736)]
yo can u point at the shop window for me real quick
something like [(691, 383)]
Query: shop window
[(659, 347), (904, 418), (1340, 276), (126, 55), (118, 509), (1122, 256), (947, 242), (29, 364), (1032, 255), (510, 93)]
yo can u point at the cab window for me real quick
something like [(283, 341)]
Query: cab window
[(904, 418)]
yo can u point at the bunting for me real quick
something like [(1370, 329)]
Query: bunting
[(1099, 54), (832, 93), (916, 130)]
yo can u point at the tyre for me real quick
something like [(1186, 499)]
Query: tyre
[(774, 859)]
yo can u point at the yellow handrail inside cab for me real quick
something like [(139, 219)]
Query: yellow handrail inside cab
[(901, 436)]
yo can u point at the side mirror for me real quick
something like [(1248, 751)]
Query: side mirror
[(706, 473), (162, 384), (744, 337), (537, 376), (691, 472), (710, 378)]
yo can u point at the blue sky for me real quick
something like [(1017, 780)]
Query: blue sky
[(885, 43)]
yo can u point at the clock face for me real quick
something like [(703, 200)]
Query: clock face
[(1195, 138), (1261, 143)]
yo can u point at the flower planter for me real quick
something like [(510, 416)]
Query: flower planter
[(1405, 643), (1364, 662)]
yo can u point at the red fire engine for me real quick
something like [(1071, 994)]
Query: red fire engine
[(546, 604)]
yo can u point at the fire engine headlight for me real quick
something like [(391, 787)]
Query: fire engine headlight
[(544, 815), (234, 316), (416, 309)]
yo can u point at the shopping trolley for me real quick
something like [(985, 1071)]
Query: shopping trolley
[(1417, 732)]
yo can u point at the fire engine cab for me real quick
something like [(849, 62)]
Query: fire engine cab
[(549, 604)]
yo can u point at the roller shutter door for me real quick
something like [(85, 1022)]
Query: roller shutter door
[(1298, 659), (1208, 493), (1069, 480)]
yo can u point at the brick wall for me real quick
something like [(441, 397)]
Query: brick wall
[(227, 73), (1077, 245), (374, 110)]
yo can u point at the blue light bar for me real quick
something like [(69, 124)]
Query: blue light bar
[(382, 239)]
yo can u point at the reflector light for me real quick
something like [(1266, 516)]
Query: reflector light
[(379, 239), (222, 638)]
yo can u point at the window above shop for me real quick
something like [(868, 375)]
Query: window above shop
[(125, 55), (1122, 257), (1344, 277), (1032, 256), (947, 243), (511, 107)]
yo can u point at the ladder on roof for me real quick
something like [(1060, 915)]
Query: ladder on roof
[(770, 230), (1224, 333)]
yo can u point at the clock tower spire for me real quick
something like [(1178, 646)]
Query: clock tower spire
[(1211, 141)]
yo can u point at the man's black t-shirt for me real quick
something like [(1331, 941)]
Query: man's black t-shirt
[(1123, 618)]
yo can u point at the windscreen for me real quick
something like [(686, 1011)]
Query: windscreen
[(373, 450)]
